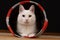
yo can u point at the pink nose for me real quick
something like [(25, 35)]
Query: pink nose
[(26, 20)]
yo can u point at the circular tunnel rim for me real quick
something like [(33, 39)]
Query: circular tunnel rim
[(23, 2)]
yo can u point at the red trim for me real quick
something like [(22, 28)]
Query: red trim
[(9, 12), (45, 22), (10, 29), (40, 7), (45, 25), (24, 2)]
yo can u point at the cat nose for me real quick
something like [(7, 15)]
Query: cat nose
[(26, 19)]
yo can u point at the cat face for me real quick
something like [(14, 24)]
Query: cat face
[(26, 16)]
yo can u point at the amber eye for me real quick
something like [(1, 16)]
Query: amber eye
[(23, 15), (30, 15)]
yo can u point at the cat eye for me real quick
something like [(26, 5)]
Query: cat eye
[(30, 15), (23, 15)]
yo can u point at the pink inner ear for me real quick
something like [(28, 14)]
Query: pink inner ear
[(32, 10), (21, 9)]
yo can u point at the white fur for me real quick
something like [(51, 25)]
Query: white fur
[(23, 28)]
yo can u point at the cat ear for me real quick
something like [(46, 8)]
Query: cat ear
[(32, 8), (21, 8)]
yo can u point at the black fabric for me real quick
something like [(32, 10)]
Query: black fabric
[(51, 8)]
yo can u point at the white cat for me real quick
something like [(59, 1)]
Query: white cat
[(26, 21)]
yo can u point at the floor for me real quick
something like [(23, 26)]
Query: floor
[(8, 36)]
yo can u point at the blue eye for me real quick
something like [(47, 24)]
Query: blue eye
[(30, 15), (23, 15)]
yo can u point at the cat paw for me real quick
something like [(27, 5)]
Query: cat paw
[(32, 35), (23, 35)]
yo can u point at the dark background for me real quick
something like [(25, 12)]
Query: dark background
[(51, 8)]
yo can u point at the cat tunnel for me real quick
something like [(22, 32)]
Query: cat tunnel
[(44, 26)]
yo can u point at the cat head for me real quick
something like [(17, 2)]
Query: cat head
[(26, 16)]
